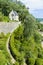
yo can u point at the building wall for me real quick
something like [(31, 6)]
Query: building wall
[(14, 17)]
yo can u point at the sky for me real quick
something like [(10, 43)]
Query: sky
[(35, 7)]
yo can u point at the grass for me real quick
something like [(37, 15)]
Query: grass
[(4, 56)]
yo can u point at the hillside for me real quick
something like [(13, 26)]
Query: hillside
[(24, 43)]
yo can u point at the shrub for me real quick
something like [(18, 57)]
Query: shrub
[(42, 38), (13, 49), (41, 28), (5, 19), (30, 61), (1, 16), (39, 61), (3, 60), (18, 33), (17, 63), (38, 24), (37, 37), (2, 35)]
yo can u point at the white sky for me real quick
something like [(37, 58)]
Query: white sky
[(34, 4), (35, 7)]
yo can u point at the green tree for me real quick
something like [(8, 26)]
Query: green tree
[(29, 26)]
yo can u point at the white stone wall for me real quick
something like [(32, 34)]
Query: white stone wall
[(15, 17)]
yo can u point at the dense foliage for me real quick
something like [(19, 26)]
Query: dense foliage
[(28, 49), (7, 5), (4, 56), (25, 42), (41, 28), (40, 25)]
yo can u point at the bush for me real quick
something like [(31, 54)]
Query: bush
[(1, 16), (41, 28), (30, 61), (42, 38), (17, 63), (18, 33), (5, 19), (38, 24), (2, 35), (3, 60), (37, 37), (13, 49), (39, 61)]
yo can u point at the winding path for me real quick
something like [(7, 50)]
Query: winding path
[(15, 25), (9, 28), (7, 45)]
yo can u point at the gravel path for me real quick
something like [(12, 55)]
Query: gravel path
[(8, 27)]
